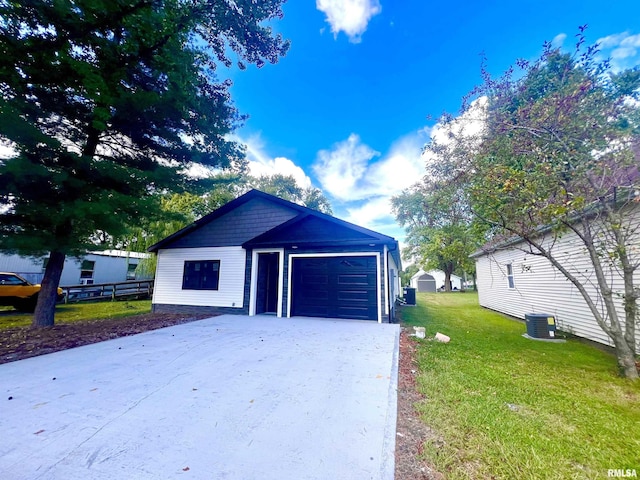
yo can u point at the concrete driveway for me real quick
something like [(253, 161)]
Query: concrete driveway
[(229, 397)]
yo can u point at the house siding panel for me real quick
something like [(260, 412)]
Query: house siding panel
[(540, 288), (231, 292), (237, 226), (107, 268)]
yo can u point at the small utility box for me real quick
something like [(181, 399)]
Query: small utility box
[(409, 295), (540, 325)]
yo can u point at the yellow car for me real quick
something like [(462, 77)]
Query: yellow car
[(17, 292)]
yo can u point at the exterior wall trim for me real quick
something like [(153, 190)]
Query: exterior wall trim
[(292, 256), (254, 278), (386, 280)]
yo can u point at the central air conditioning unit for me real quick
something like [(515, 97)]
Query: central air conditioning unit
[(409, 295), (540, 325)]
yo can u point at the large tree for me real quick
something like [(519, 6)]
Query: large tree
[(437, 220), (286, 187), (558, 156), (105, 102)]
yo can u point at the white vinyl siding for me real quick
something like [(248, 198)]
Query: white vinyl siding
[(170, 269), (540, 288), (109, 267)]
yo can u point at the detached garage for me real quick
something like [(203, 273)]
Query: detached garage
[(433, 281), (274, 257), (426, 283)]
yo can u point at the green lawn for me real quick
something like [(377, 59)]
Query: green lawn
[(511, 408), (74, 312)]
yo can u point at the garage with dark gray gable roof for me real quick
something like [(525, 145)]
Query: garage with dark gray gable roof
[(260, 254)]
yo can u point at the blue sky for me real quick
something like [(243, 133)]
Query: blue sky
[(347, 110)]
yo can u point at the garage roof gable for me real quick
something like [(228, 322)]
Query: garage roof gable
[(313, 230), (277, 222)]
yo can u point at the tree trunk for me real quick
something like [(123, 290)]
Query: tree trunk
[(46, 306), (447, 281), (626, 357)]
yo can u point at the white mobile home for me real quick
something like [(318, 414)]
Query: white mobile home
[(107, 266)]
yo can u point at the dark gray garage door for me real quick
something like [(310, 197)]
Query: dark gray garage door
[(426, 283), (339, 287)]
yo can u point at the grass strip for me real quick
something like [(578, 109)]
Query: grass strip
[(511, 408), (78, 312)]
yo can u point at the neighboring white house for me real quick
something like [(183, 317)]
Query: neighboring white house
[(514, 282), (433, 280), (108, 266)]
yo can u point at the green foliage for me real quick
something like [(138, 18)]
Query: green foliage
[(517, 408), (558, 153), (407, 273), (285, 187), (558, 139), (105, 102), (438, 225), (93, 93), (177, 210)]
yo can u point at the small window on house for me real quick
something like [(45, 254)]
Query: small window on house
[(86, 270), (201, 275), (510, 279), (131, 271)]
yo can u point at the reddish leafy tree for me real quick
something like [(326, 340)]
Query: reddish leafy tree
[(559, 156)]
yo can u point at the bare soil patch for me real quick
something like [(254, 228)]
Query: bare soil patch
[(24, 342), (411, 431)]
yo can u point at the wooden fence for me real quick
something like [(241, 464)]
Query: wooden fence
[(108, 291)]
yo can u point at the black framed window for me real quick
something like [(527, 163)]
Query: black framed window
[(201, 275)]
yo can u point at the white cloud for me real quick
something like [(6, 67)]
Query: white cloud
[(349, 16), (399, 169), (351, 170), (341, 169), (374, 214), (611, 41), (623, 49), (282, 166), (364, 198), (558, 40), (261, 164), (360, 182), (469, 125)]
